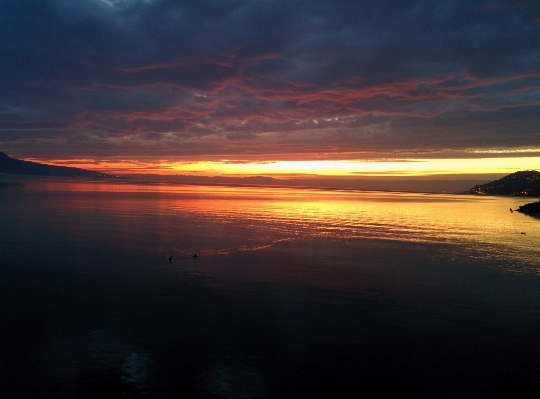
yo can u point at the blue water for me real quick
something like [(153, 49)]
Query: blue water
[(295, 293)]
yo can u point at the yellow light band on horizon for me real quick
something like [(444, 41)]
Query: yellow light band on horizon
[(405, 167), (402, 167)]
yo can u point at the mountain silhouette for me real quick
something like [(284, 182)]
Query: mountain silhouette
[(15, 166), (523, 183)]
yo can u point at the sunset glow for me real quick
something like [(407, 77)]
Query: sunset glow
[(349, 168), (269, 198), (312, 88), (404, 167)]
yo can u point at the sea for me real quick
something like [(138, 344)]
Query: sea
[(294, 292)]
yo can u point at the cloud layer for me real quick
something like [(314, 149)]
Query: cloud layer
[(270, 79)]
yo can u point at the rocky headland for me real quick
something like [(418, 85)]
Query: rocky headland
[(523, 183), (532, 209)]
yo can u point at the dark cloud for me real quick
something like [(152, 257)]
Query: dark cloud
[(271, 77)]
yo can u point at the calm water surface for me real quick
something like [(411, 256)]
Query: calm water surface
[(295, 293)]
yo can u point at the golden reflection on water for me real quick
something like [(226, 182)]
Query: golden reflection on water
[(277, 214)]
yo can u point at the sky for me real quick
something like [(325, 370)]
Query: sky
[(272, 87)]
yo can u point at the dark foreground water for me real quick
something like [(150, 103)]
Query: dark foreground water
[(295, 293)]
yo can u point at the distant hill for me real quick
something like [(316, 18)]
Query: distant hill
[(524, 183), (18, 167)]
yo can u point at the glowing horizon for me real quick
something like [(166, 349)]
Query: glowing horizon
[(405, 167)]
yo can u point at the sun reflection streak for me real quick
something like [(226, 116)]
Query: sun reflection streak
[(214, 220)]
